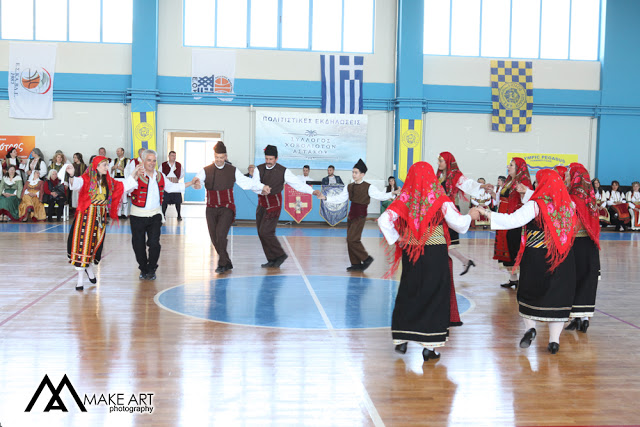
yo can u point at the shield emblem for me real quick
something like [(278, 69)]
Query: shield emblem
[(297, 204), (333, 213)]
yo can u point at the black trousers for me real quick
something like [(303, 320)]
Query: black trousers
[(171, 199), (219, 222), (58, 210), (146, 232)]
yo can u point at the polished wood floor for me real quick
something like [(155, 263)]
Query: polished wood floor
[(114, 338)]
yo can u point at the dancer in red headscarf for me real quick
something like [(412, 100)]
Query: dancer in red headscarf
[(547, 264), (454, 182), (562, 171), (507, 243), (418, 222), (586, 247), (98, 193)]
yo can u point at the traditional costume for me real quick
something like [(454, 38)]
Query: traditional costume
[(586, 248), (221, 209), (174, 172), (78, 170), (97, 197), (9, 204), (117, 169), (360, 195), (547, 265), (618, 209), (418, 221), (601, 199), (31, 205), (483, 200), (270, 205), (507, 242), (633, 198)]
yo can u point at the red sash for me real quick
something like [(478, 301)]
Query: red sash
[(357, 210), (272, 203), (221, 199)]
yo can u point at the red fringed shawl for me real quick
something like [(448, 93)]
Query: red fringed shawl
[(90, 188)]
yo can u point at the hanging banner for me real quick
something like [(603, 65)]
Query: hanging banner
[(213, 71), (31, 73), (24, 145), (537, 161), (511, 95), (297, 204), (317, 140), (410, 145), (143, 130), (333, 213)]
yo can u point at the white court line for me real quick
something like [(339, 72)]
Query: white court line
[(53, 226), (231, 243), (368, 403)]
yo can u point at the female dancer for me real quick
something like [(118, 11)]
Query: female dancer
[(418, 223), (507, 243), (97, 193), (547, 264), (453, 181), (586, 247)]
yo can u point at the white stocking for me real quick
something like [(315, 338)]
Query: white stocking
[(80, 277), (529, 323), (555, 328), (90, 272)]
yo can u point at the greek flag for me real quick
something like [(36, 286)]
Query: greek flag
[(341, 84)]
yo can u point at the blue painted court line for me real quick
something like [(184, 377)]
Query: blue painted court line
[(283, 230), (285, 301)]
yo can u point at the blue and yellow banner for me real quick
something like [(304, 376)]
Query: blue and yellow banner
[(410, 145), (143, 131), (537, 161), (511, 95)]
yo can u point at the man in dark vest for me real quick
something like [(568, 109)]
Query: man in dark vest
[(146, 212), (218, 179), (360, 194), (274, 176), (174, 172)]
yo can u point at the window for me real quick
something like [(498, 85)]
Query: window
[(326, 25), (67, 20), (546, 29)]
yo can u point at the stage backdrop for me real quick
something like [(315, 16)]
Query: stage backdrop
[(537, 161), (317, 140)]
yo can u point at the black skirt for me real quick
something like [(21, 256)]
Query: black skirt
[(453, 234), (514, 239), (587, 258), (421, 311), (542, 295), (172, 198)]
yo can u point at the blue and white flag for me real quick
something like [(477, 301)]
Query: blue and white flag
[(341, 84), (333, 213)]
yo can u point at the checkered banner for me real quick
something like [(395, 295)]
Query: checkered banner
[(511, 95)]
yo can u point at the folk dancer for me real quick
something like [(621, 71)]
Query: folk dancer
[(274, 176), (483, 200), (219, 179), (586, 248), (418, 222), (507, 242), (633, 198), (174, 172), (547, 265), (117, 167), (146, 211), (618, 207), (453, 182)]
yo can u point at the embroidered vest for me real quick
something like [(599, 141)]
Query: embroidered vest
[(219, 185), (123, 163), (359, 196), (166, 169), (139, 195)]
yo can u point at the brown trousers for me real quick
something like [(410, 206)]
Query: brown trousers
[(357, 252), (219, 221), (266, 225)]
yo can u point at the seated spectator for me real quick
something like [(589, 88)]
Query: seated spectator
[(13, 159), (601, 199), (331, 178), (55, 195), (484, 200), (391, 186), (250, 171), (305, 173), (32, 194), (496, 195), (79, 168), (10, 191), (618, 208), (633, 198), (59, 160), (36, 162)]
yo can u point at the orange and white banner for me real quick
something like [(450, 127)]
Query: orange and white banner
[(213, 71), (24, 145), (31, 73)]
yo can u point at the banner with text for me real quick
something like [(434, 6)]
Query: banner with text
[(537, 161), (317, 140), (24, 145)]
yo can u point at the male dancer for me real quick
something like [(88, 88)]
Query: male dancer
[(174, 172), (273, 175), (117, 167), (360, 194), (218, 179)]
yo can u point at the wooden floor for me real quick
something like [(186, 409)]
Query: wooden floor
[(114, 338)]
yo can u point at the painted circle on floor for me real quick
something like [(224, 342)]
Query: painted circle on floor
[(287, 301)]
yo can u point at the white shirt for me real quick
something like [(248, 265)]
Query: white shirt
[(289, 178), (153, 191), (131, 166), (615, 196), (172, 171), (243, 182), (633, 197), (469, 186), (501, 221), (602, 199), (114, 162), (374, 193), (483, 199), (455, 220), (305, 178), (43, 168)]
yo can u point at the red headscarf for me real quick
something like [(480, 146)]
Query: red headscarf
[(418, 209), (453, 175), (522, 177), (90, 187), (557, 217), (562, 170), (582, 194)]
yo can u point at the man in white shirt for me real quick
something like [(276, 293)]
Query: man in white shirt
[(133, 163), (146, 212), (305, 173), (175, 172), (116, 168)]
